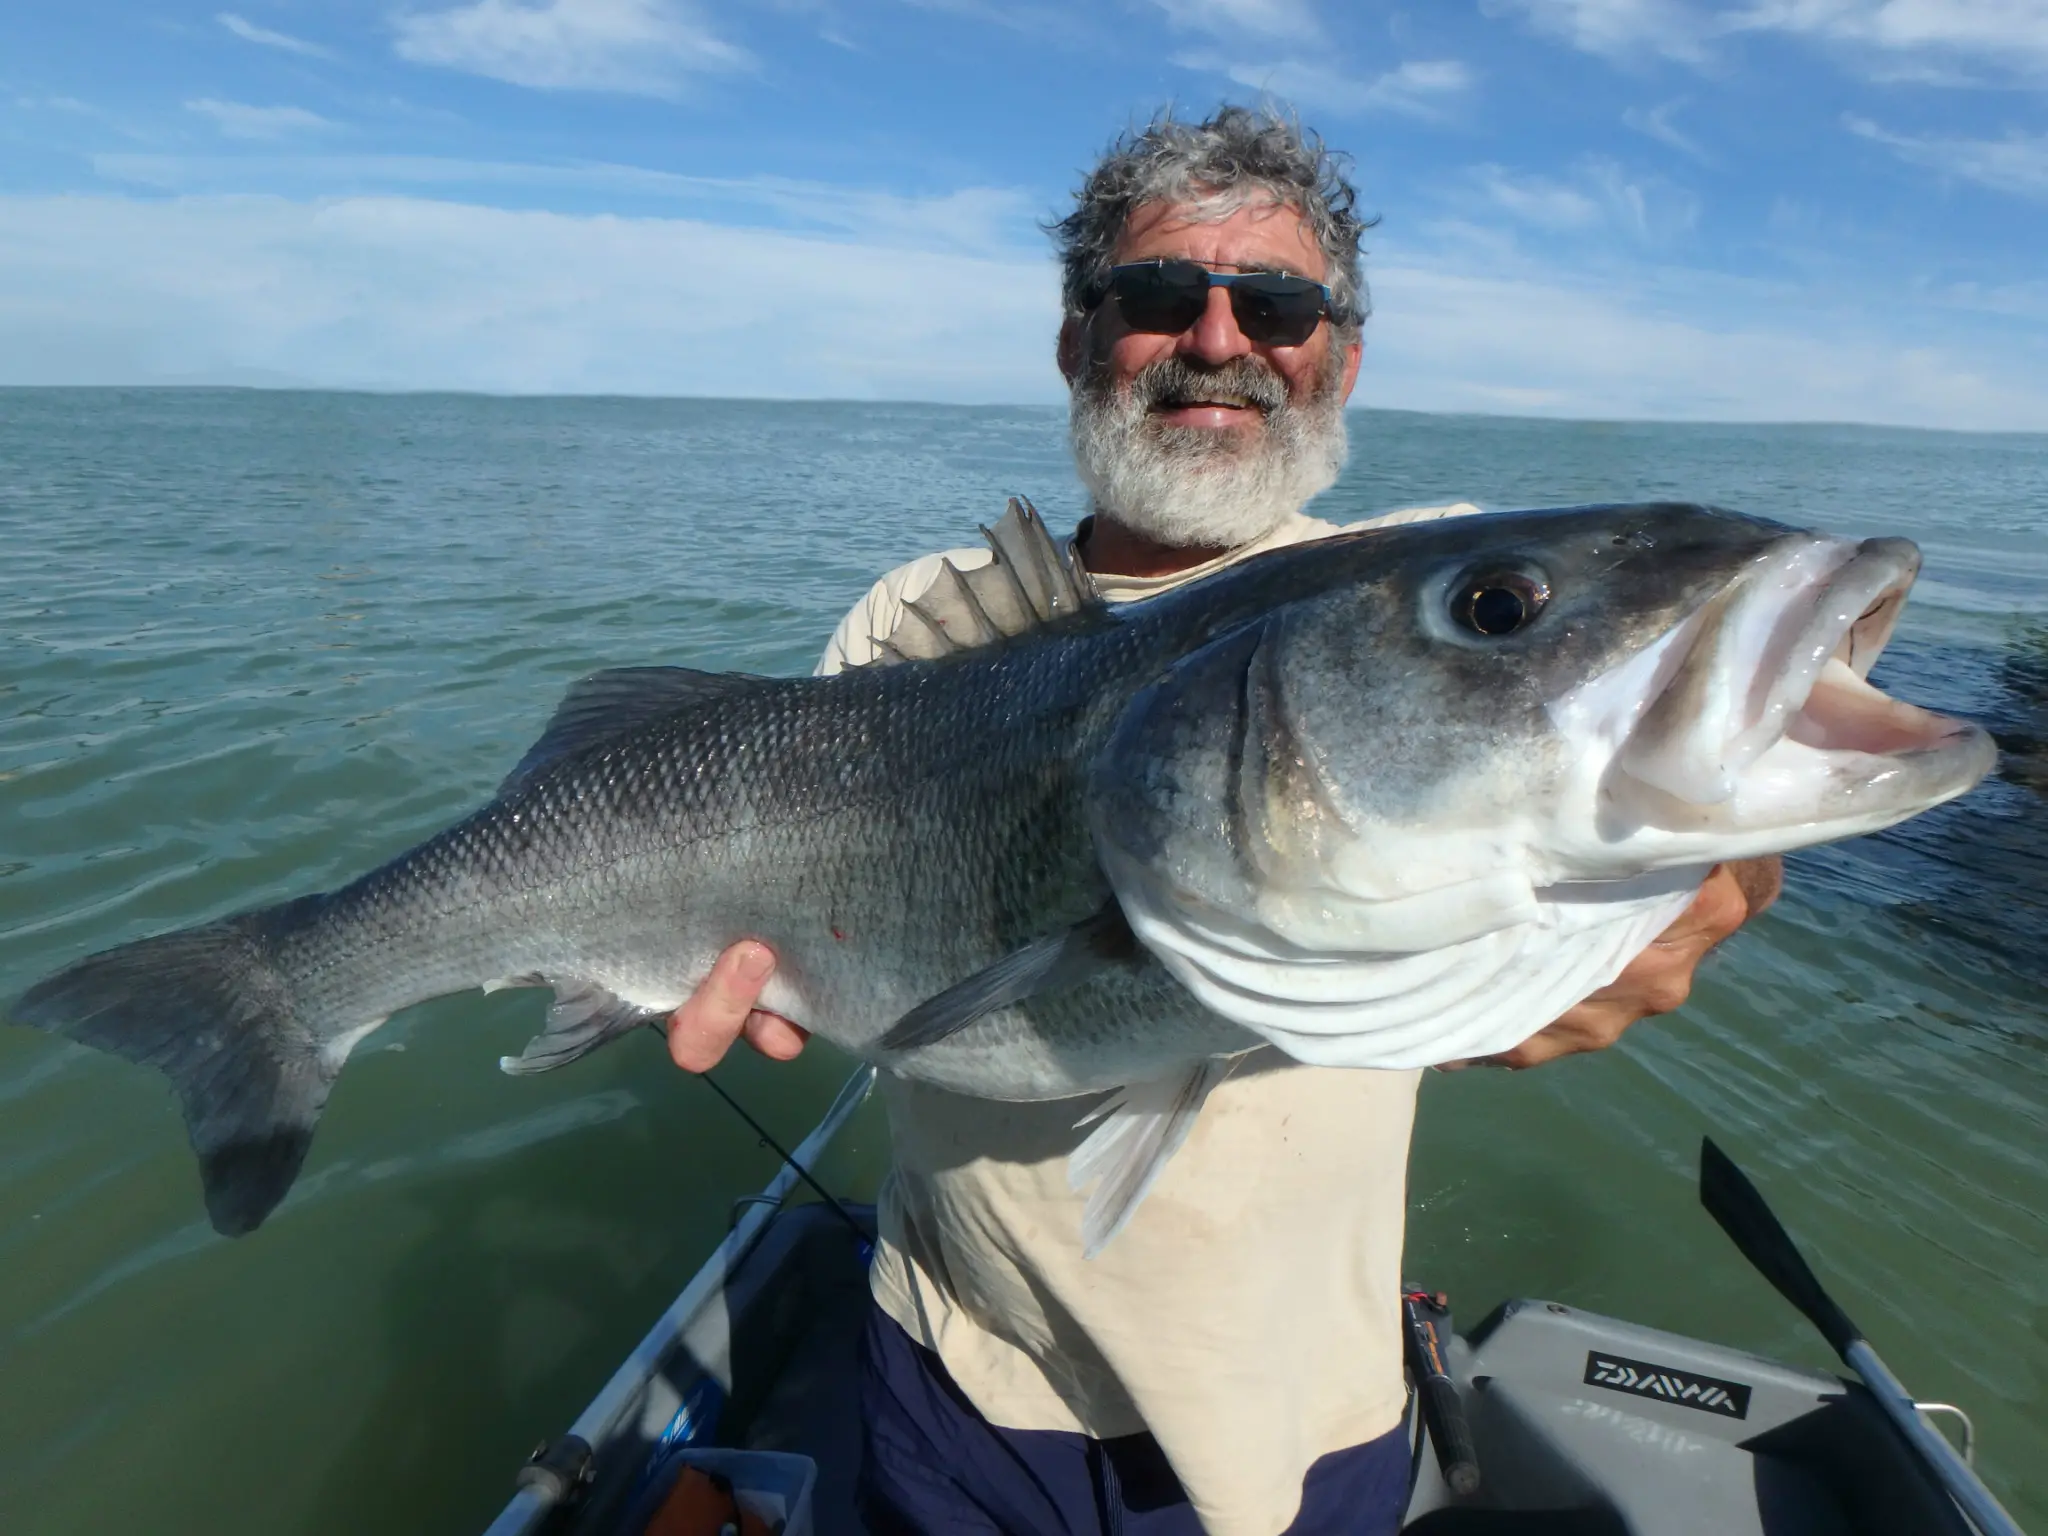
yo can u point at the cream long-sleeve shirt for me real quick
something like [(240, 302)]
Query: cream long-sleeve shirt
[(1248, 1316)]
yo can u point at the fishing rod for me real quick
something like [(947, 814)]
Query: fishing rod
[(1737, 1205), (1426, 1318)]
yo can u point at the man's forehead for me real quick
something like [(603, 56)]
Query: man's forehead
[(1259, 233)]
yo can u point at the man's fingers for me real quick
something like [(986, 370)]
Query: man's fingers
[(1659, 980), (1762, 881), (704, 1028), (1729, 897), (774, 1036)]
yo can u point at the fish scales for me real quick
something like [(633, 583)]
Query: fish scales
[(885, 835)]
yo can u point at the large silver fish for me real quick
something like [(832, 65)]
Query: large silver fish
[(1395, 797)]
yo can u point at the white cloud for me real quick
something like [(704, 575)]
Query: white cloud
[(423, 293), (1283, 20), (417, 293), (1656, 124), (240, 121), (1619, 29), (1421, 88), (640, 47), (2000, 32), (1539, 201), (1602, 195), (1925, 40), (2017, 163), (974, 221), (249, 32), (1450, 335)]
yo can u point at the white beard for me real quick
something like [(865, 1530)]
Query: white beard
[(1186, 487)]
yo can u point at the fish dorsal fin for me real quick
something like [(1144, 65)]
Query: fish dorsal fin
[(1030, 580), (605, 704)]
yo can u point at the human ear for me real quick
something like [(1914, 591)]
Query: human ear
[(1072, 347), (1354, 353)]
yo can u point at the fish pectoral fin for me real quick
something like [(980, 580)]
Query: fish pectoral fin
[(583, 1017), (605, 704), (1136, 1133), (1051, 964)]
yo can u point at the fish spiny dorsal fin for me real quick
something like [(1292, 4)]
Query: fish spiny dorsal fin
[(949, 605), (605, 704), (923, 633), (1039, 565), (1030, 580)]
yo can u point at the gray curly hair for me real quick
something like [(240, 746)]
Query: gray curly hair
[(1238, 157)]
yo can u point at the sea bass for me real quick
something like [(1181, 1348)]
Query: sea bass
[(1393, 798)]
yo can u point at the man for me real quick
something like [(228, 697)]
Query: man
[(1232, 1360)]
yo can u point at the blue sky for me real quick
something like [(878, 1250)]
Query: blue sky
[(1763, 210)]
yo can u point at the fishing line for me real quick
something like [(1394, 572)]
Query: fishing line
[(775, 1146)]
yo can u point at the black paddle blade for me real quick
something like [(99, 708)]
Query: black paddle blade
[(1734, 1202)]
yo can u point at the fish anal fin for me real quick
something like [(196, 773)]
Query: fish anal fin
[(606, 704), (584, 1016), (1051, 964), (1136, 1134)]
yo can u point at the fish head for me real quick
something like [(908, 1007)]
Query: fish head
[(1541, 725), (1592, 694)]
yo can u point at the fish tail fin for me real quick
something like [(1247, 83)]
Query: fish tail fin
[(210, 1008)]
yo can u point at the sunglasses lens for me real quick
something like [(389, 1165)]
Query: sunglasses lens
[(1276, 311), (1162, 298)]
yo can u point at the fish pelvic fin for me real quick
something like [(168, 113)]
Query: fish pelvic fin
[(1051, 964), (1030, 580), (1136, 1134), (212, 1010), (583, 1017), (607, 704)]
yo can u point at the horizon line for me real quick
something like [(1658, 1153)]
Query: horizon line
[(401, 391)]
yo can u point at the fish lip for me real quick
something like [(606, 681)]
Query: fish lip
[(1851, 619), (1776, 664)]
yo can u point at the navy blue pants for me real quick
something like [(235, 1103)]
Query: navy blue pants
[(934, 1466)]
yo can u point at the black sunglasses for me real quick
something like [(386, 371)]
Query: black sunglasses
[(1164, 298)]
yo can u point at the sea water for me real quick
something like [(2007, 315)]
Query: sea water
[(251, 644)]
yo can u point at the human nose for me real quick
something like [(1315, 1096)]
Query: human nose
[(1214, 337)]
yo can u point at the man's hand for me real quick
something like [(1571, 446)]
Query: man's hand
[(722, 1009), (1660, 978)]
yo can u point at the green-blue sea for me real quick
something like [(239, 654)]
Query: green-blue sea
[(252, 644)]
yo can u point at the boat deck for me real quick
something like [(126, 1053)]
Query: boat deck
[(1583, 1425)]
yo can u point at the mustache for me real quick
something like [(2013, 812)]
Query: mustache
[(1177, 381)]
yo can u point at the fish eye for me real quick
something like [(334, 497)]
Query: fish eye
[(1498, 603)]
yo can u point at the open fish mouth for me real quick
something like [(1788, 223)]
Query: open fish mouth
[(1761, 714)]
